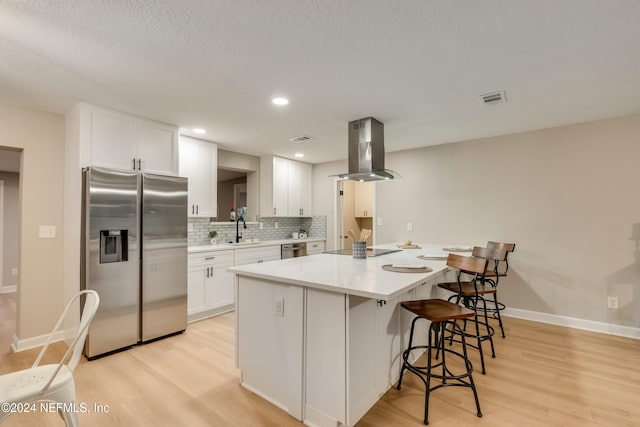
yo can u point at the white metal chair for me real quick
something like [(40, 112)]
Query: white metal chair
[(52, 383)]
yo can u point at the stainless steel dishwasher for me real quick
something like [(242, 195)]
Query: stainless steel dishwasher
[(292, 250)]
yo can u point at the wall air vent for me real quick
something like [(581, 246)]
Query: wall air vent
[(303, 138), (493, 98)]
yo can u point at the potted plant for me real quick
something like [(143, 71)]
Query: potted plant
[(212, 235)]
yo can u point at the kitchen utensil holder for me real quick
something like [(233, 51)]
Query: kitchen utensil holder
[(359, 249)]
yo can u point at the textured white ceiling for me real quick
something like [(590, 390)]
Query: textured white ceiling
[(416, 65)]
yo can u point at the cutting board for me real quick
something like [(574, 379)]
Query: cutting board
[(402, 246)]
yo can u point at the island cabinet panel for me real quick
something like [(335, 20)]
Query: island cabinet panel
[(270, 342), (325, 370), (354, 338)]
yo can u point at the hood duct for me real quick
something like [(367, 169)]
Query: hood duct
[(366, 152)]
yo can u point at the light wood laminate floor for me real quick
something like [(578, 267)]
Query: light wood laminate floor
[(543, 376)]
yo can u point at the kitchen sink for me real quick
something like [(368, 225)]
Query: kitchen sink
[(241, 243)]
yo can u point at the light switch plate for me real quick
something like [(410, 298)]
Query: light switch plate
[(379, 221), (47, 232), (190, 227), (409, 226)]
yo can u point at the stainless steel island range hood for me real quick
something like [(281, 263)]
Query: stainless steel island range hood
[(366, 152)]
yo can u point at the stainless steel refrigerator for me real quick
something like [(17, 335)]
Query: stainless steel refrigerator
[(134, 254)]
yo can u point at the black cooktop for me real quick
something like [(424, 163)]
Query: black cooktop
[(370, 252)]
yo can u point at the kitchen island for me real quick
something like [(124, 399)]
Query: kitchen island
[(321, 337)]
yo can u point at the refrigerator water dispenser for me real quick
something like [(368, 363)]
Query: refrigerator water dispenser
[(113, 246)]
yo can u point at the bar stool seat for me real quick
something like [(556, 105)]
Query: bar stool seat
[(440, 313)]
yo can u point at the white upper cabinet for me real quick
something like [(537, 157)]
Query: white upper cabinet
[(157, 147), (280, 187), (123, 141), (299, 189), (285, 187), (198, 162)]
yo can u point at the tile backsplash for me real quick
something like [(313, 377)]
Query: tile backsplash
[(315, 227)]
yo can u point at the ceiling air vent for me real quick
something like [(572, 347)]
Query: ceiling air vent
[(493, 98), (303, 138)]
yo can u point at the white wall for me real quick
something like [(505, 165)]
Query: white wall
[(568, 197), (40, 280)]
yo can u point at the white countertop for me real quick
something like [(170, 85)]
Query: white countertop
[(243, 245), (344, 274)]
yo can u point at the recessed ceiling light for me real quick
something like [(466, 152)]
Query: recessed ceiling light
[(199, 131), (299, 155), (280, 101)]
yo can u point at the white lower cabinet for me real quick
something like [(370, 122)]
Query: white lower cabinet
[(252, 255), (315, 248), (210, 286)]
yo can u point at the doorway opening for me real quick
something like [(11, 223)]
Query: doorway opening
[(9, 243), (355, 212)]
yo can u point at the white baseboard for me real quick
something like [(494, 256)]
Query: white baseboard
[(8, 289), (33, 342), (205, 314), (573, 322)]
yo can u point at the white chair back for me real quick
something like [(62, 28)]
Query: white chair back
[(90, 306)]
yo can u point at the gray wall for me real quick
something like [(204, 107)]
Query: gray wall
[(11, 225), (568, 197)]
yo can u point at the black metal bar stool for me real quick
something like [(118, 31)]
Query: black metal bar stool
[(494, 274), (441, 313), (470, 292)]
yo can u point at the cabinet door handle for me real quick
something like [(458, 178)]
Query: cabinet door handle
[(274, 211), (207, 271), (197, 209), (209, 258), (193, 209), (133, 163), (139, 164)]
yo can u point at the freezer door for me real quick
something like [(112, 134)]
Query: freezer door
[(110, 257), (164, 255)]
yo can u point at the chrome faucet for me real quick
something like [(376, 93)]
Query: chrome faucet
[(238, 235)]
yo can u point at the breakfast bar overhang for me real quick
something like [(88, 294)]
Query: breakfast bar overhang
[(321, 336)]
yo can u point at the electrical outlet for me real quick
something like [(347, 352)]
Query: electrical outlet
[(409, 226), (275, 225), (47, 232), (261, 225), (190, 227), (14, 272), (612, 302), (278, 306), (379, 221)]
